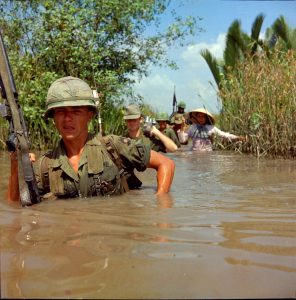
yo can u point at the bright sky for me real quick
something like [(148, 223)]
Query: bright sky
[(193, 81)]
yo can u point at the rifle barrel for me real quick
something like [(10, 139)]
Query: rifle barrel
[(27, 182)]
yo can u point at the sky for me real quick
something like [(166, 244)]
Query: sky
[(193, 81)]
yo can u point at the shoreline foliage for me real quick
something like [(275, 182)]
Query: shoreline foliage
[(259, 100), (256, 85), (104, 42)]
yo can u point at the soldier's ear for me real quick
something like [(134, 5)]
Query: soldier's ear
[(91, 114)]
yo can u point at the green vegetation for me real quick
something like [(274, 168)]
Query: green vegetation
[(105, 42), (259, 101), (256, 82)]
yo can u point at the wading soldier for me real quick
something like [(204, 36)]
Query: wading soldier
[(153, 137), (83, 164)]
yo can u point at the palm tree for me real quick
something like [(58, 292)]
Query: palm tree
[(238, 46), (281, 33), (213, 64)]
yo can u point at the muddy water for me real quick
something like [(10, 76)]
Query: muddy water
[(226, 230)]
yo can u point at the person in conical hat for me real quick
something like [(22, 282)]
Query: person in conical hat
[(202, 131), (192, 115)]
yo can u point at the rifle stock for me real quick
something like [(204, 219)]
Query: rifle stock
[(18, 135)]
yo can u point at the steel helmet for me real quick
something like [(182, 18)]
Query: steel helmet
[(69, 91), (163, 116), (182, 104)]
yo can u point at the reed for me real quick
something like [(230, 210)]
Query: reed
[(259, 100)]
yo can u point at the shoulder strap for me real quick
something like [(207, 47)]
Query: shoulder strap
[(116, 159), (44, 166)]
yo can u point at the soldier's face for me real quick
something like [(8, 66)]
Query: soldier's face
[(133, 124), (72, 122), (162, 125)]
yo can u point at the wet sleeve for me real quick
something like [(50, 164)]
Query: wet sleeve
[(157, 145), (219, 132), (174, 138), (190, 131), (133, 153)]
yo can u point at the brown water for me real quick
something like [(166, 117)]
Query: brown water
[(226, 230)]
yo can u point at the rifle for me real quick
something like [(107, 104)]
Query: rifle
[(18, 135)]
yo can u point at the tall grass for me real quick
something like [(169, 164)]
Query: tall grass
[(259, 100)]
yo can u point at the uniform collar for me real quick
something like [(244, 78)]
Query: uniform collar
[(91, 155)]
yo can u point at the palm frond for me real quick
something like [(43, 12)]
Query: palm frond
[(255, 33), (281, 28), (213, 65), (235, 44)]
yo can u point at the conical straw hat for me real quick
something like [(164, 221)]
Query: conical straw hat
[(189, 115)]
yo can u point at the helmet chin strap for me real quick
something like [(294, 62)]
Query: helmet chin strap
[(97, 102)]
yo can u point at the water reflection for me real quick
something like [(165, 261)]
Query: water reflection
[(228, 224)]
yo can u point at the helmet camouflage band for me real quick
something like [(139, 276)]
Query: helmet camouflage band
[(69, 91)]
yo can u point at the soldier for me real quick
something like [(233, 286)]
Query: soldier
[(179, 127), (163, 119), (83, 164), (180, 110), (153, 137), (181, 107), (149, 135)]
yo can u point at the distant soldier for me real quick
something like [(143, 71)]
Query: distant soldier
[(181, 110), (163, 119), (153, 137), (179, 127)]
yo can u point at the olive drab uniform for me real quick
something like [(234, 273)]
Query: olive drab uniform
[(169, 132), (98, 174), (154, 143)]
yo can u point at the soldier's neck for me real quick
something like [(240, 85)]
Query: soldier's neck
[(134, 133), (75, 147)]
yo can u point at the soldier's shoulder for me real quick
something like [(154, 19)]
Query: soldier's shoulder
[(117, 140)]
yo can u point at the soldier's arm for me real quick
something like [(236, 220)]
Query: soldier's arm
[(168, 143), (165, 168)]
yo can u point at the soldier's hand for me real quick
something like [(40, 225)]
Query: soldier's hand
[(32, 157), (147, 128), (243, 138)]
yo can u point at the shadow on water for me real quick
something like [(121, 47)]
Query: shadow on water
[(226, 230)]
